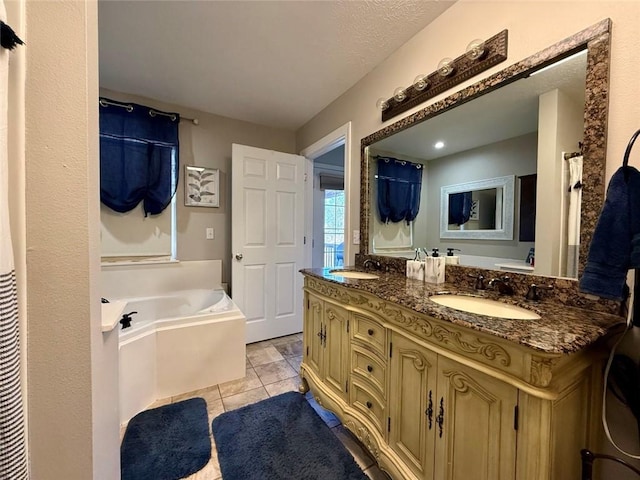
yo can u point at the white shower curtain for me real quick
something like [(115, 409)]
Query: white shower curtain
[(13, 456), (573, 225)]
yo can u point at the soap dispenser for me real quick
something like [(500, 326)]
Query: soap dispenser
[(434, 268), (452, 259)]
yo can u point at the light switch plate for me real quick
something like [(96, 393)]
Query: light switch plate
[(356, 237), (210, 233)]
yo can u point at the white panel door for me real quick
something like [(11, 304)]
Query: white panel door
[(267, 240)]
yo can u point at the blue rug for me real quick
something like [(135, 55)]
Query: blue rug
[(281, 438), (166, 443)]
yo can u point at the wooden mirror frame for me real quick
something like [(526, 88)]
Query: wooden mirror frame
[(596, 40)]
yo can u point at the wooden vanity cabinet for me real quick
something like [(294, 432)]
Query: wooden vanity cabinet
[(435, 401), (326, 343)]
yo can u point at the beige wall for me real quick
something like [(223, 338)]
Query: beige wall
[(72, 366), (532, 26), (208, 145)]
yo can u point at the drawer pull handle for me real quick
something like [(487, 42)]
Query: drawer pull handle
[(369, 404), (440, 417), (370, 331), (429, 410), (369, 368)]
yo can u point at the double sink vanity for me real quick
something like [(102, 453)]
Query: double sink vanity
[(457, 381), (448, 382)]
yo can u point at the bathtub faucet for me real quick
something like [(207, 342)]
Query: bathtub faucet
[(126, 319)]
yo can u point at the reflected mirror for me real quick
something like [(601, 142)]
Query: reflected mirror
[(481, 210), (519, 124)]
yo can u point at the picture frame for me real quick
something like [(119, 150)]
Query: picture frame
[(201, 186), (474, 214)]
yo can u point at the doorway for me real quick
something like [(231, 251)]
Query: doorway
[(328, 210), (328, 200)]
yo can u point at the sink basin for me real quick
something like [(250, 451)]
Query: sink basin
[(352, 274), (484, 306)]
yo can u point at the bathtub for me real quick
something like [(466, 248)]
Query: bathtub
[(178, 342)]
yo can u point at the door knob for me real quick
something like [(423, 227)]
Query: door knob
[(238, 256)]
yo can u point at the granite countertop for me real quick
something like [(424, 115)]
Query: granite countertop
[(561, 329)]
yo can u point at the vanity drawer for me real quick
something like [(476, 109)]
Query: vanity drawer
[(363, 399), (369, 366), (370, 333)]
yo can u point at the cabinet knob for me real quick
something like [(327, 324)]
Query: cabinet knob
[(369, 404), (370, 331), (369, 368)]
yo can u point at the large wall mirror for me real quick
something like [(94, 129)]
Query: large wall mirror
[(522, 123)]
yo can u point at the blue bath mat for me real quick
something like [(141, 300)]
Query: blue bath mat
[(166, 443), (281, 438)]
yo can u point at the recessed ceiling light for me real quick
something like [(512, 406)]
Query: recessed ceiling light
[(439, 145)]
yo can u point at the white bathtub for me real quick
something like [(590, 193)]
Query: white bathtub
[(178, 342)]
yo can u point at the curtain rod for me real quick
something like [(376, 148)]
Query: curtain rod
[(152, 112)]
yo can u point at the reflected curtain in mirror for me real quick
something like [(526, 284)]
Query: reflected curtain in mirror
[(399, 186), (460, 208)]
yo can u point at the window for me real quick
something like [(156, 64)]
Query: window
[(139, 157), (333, 228)]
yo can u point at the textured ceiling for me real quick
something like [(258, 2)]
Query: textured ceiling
[(275, 63)]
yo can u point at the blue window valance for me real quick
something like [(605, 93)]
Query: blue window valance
[(399, 186), (138, 156)]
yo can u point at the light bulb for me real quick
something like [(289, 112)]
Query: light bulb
[(399, 94), (382, 104), (445, 67), (476, 49), (420, 82)]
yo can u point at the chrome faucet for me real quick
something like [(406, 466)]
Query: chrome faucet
[(368, 263), (534, 291), (502, 285), (479, 283)]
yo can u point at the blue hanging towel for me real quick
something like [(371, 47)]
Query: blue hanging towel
[(615, 247), (138, 157), (399, 186)]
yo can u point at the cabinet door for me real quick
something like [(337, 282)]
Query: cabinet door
[(478, 438), (313, 331), (412, 405), (336, 348)]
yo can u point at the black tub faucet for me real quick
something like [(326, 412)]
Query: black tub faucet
[(125, 321)]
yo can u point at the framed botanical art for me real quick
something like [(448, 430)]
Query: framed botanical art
[(201, 186)]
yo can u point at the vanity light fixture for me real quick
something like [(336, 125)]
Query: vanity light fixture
[(382, 104), (421, 82), (399, 94), (445, 67), (476, 49), (480, 55), (439, 144)]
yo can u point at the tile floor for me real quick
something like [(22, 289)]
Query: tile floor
[(272, 369)]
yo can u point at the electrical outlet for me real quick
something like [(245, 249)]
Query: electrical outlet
[(210, 234), (356, 237)]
